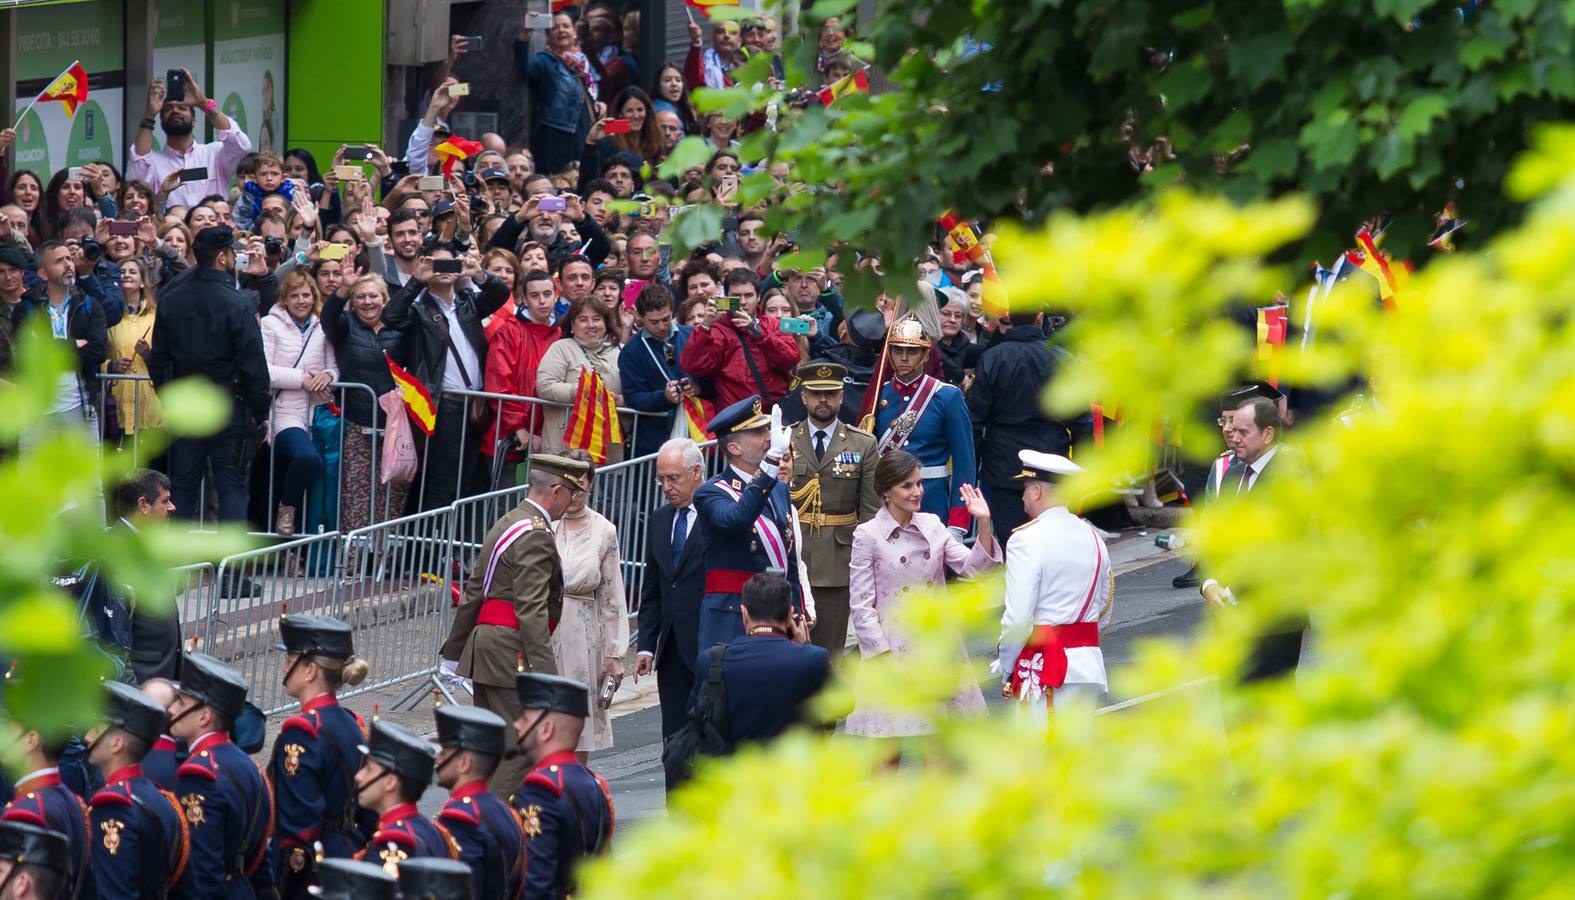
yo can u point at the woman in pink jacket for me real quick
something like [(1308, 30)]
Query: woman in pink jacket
[(899, 551), (300, 368)]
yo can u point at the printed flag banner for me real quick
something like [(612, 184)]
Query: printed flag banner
[(455, 149), (593, 418), (70, 88), (417, 400), (857, 83), (966, 250)]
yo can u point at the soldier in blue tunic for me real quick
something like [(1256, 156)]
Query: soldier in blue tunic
[(44, 801), (226, 797), (565, 809), (139, 836), (470, 742), (748, 518), (925, 416), (395, 772), (315, 757)]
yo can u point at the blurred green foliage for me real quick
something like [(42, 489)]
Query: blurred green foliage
[(57, 487), (1426, 752)]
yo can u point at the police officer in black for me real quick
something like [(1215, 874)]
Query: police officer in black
[(140, 841), (208, 327), (346, 879), (470, 741), (34, 862), (564, 808), (436, 879), (229, 809)]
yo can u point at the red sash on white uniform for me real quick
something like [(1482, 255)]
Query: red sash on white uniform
[(1041, 666), (768, 532)]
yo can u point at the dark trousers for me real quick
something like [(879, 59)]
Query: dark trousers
[(448, 460), (1274, 654), (831, 619), (298, 462), (190, 458), (511, 770)]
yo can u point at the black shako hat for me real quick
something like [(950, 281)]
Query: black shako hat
[(134, 712), (315, 636), (470, 728), (434, 878), (29, 845), (346, 879), (553, 693), (213, 684), (402, 750)]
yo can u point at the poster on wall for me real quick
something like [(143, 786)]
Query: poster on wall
[(48, 39), (249, 68)]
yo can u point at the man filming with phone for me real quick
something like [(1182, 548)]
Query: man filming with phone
[(205, 169)]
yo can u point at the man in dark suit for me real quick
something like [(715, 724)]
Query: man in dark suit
[(772, 671), (673, 584), (142, 500), (1255, 427)]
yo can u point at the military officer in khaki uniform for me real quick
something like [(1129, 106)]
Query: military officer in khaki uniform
[(834, 490), (512, 601)]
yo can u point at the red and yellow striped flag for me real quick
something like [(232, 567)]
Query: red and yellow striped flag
[(706, 4), (417, 400), (69, 87), (1391, 275), (1273, 322), (593, 418), (696, 413), (857, 83)]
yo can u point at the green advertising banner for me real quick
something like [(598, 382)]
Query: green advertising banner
[(48, 39), (249, 67)]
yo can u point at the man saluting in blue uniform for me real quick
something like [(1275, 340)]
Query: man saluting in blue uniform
[(925, 416), (470, 742), (748, 518), (140, 841), (564, 808)]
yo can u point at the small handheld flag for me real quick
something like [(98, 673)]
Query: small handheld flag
[(69, 87), (857, 83), (707, 4), (417, 400), (593, 418), (966, 250), (453, 150)]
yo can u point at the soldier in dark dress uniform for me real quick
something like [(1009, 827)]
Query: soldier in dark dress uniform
[(225, 795), (566, 810), (747, 517), (346, 879), (42, 800), (436, 879), (165, 757), (470, 742), (315, 757), (138, 832), (35, 863), (395, 771)]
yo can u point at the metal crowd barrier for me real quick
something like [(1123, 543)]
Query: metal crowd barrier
[(394, 582)]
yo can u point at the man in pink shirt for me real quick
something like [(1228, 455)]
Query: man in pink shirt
[(181, 153)]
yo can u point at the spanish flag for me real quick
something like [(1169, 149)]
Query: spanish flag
[(593, 418), (70, 88), (1391, 275), (966, 250), (453, 150), (696, 413), (857, 83), (706, 4), (417, 400), (1273, 322)]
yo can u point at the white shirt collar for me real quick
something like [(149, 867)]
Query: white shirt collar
[(829, 431), (1257, 467)]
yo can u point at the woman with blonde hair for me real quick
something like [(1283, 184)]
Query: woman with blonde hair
[(353, 320), (130, 342), (593, 629), (176, 238), (315, 757), (300, 368)]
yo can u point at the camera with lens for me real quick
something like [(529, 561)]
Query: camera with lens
[(273, 246), (90, 247)]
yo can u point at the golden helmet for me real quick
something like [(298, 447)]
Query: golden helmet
[(907, 331)]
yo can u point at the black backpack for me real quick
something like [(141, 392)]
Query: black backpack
[(708, 731)]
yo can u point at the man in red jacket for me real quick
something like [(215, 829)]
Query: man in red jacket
[(513, 356), (742, 355)]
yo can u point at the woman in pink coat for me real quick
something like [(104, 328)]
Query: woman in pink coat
[(300, 368), (898, 551)]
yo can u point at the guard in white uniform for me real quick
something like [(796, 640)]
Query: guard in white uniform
[(1058, 595)]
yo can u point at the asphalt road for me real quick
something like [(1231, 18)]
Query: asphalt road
[(1146, 606)]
